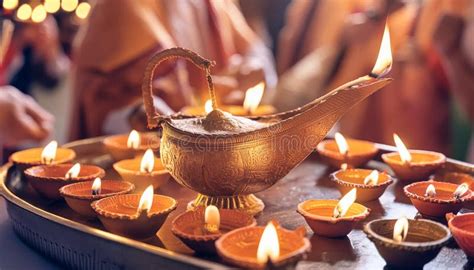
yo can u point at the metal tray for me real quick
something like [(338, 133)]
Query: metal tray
[(57, 232)]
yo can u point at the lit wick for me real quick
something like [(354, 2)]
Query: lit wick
[(344, 166), (405, 155), (342, 145), (269, 245), (400, 230), (49, 152), (96, 186), (345, 203), (212, 219), (253, 96), (146, 201), (73, 171), (148, 161), (384, 59), (461, 190), (372, 178), (133, 140), (430, 191)]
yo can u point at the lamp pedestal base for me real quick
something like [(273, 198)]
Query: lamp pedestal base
[(247, 203)]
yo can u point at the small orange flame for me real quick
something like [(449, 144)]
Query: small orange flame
[(341, 143), (345, 203), (400, 230), (49, 152), (405, 155), (148, 161), (212, 219), (73, 171), (461, 190), (253, 96), (384, 58), (208, 106), (133, 140), (269, 245), (430, 191), (146, 200), (372, 178), (96, 186)]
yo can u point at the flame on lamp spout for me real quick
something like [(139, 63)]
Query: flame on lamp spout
[(430, 191), (461, 190), (146, 200), (400, 230), (253, 96), (96, 186), (341, 142), (73, 171), (372, 178), (49, 152), (383, 65), (212, 219), (405, 155), (345, 203), (269, 245)]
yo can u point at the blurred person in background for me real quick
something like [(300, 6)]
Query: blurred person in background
[(119, 38)]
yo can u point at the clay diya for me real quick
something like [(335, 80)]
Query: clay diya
[(134, 215), (143, 171), (127, 146), (435, 199), (340, 151), (411, 165), (200, 228), (332, 218), (48, 179), (407, 244), (259, 247), (370, 184), (79, 196), (462, 228), (48, 155)]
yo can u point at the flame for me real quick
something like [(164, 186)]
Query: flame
[(400, 230), (148, 161), (344, 166), (10, 4), (405, 155), (133, 140), (24, 12), (96, 186), (208, 106), (341, 143), (69, 5), (461, 190), (49, 152), (372, 178), (345, 203), (52, 6), (82, 10), (146, 200), (269, 245), (212, 219), (253, 96), (430, 191), (39, 14), (74, 171), (384, 59)]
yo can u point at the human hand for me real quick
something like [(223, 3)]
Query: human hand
[(21, 118)]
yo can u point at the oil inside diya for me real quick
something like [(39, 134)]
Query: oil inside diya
[(421, 241), (128, 146), (48, 179), (79, 196), (462, 228), (190, 227), (438, 202), (138, 216), (321, 218), (369, 183), (353, 152), (257, 247), (143, 171)]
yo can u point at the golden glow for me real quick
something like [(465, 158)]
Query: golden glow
[(74, 171), (269, 245), (372, 178), (344, 166), (24, 12), (341, 143), (400, 230), (253, 96), (96, 186), (10, 4), (212, 219), (384, 58), (39, 14), (146, 200), (52, 6), (148, 161), (69, 5), (345, 203), (49, 152), (208, 106), (82, 10), (461, 190), (405, 155), (430, 191), (133, 140)]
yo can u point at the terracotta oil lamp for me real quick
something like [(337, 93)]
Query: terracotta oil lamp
[(333, 218), (48, 179), (435, 199), (134, 215), (48, 155), (407, 244), (200, 228), (143, 171), (227, 158), (261, 247), (462, 228), (340, 151), (250, 107), (411, 165), (79, 196), (128, 146), (370, 184)]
